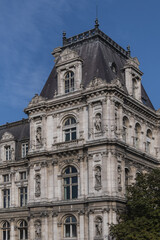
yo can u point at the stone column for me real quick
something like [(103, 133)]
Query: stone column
[(44, 226), (55, 228), (12, 235), (104, 114), (13, 191), (91, 228), (81, 225), (106, 223), (44, 131), (90, 121), (112, 119), (81, 189), (44, 183), (120, 130), (31, 229)]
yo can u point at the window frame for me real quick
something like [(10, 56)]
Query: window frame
[(23, 230), (8, 153), (24, 149), (6, 178), (69, 80), (70, 129), (23, 196), (6, 198), (6, 230), (70, 226), (69, 186)]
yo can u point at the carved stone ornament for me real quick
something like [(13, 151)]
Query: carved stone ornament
[(37, 230), (38, 186), (7, 136), (36, 99), (67, 55), (117, 82), (96, 82)]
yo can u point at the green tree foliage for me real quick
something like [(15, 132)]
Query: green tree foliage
[(141, 220)]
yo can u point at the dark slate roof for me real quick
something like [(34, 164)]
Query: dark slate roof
[(98, 52), (20, 131)]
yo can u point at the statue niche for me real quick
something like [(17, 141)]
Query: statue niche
[(98, 122), (98, 181), (37, 185), (98, 228), (37, 230), (39, 135)]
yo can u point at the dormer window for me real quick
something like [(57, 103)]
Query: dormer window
[(114, 67), (69, 129), (69, 82), (8, 152)]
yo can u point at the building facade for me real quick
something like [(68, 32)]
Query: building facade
[(64, 170)]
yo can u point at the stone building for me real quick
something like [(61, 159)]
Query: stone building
[(64, 170)]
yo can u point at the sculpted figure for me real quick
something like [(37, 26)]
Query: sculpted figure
[(98, 176), (98, 227), (38, 186), (37, 230), (98, 122), (39, 135)]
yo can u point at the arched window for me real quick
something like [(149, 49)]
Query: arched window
[(69, 129), (6, 230), (125, 128), (23, 230), (70, 227), (70, 183), (69, 82), (114, 67), (137, 135), (148, 140)]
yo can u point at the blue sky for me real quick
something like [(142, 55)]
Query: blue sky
[(30, 30)]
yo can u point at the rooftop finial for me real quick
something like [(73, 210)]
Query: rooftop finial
[(96, 23), (64, 37), (129, 50)]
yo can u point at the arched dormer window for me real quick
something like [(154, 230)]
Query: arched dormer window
[(70, 183), (6, 230), (69, 129), (148, 140), (137, 135), (23, 230), (69, 82), (70, 227), (114, 67), (125, 128)]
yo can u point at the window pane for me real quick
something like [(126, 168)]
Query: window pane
[(74, 179), (74, 135), (74, 170), (67, 170), (73, 121), (67, 136), (66, 180), (74, 230), (67, 231), (67, 193), (74, 192)]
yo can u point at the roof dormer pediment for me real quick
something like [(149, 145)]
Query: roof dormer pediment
[(7, 137), (67, 56)]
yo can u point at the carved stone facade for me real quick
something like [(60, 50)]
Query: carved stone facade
[(64, 170)]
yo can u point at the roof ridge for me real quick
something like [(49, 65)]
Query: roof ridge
[(13, 124), (90, 34)]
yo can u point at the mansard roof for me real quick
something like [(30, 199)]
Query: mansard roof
[(20, 132), (98, 52)]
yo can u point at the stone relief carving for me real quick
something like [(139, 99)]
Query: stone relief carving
[(98, 122), (7, 136), (37, 230), (98, 227), (98, 181), (37, 186), (36, 99), (96, 82), (39, 135), (117, 82)]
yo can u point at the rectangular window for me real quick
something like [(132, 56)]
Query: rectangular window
[(24, 149), (8, 153), (6, 178), (23, 196), (23, 175), (6, 198)]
